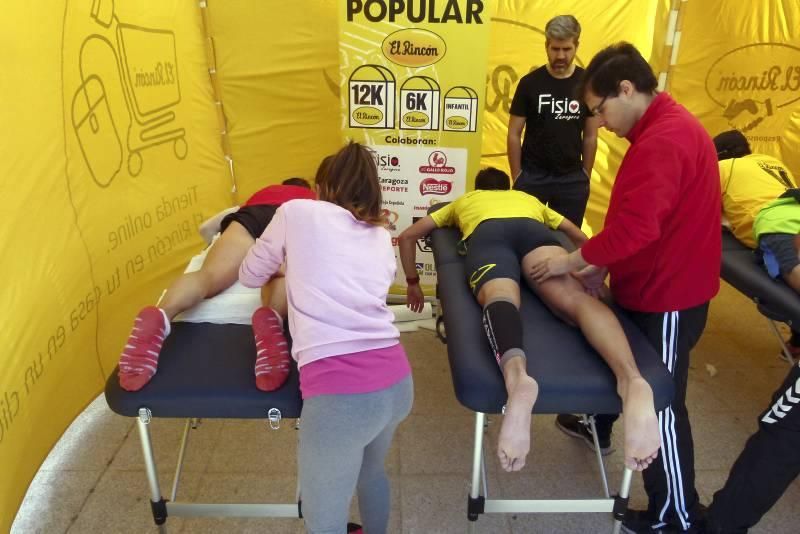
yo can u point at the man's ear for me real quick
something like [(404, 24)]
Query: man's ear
[(626, 87)]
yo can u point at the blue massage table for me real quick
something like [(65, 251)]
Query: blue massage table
[(205, 371), (774, 299), (572, 378)]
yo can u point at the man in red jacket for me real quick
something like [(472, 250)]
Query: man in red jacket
[(661, 246)]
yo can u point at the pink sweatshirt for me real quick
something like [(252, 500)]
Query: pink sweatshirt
[(338, 273)]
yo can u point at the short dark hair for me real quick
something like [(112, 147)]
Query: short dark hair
[(731, 144), (620, 61), (492, 179), (300, 182)]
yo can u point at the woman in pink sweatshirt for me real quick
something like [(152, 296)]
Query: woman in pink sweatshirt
[(354, 375)]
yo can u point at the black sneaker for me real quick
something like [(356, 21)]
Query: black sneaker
[(645, 522), (572, 425)]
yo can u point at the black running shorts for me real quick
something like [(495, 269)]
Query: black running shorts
[(254, 218), (496, 248)]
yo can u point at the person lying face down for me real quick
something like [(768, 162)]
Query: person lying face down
[(760, 205), (139, 359), (504, 233)]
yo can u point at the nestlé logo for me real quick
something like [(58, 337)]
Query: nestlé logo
[(432, 186)]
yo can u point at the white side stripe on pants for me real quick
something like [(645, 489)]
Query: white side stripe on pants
[(779, 409), (666, 421)]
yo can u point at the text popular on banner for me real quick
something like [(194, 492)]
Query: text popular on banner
[(410, 75)]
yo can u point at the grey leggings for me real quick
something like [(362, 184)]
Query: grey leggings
[(343, 444)]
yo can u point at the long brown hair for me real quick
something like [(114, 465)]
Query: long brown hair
[(351, 181), (322, 170)]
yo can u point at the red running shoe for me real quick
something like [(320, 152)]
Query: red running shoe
[(272, 350), (139, 359)]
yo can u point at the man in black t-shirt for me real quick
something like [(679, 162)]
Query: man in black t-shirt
[(555, 160)]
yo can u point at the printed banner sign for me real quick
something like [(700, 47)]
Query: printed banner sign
[(411, 74)]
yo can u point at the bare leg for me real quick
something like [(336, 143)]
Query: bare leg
[(565, 296), (273, 295), (514, 442), (515, 432), (219, 271)]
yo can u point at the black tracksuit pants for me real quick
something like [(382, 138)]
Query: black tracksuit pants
[(769, 462), (669, 481)]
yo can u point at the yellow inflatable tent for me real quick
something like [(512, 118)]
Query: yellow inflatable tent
[(129, 122)]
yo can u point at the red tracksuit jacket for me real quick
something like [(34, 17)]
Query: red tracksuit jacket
[(661, 239)]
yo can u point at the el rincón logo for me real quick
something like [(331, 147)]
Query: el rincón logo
[(754, 82)]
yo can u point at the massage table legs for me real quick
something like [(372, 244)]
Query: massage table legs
[(784, 349), (477, 502), (162, 508)]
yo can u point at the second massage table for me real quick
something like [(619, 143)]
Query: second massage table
[(572, 378), (775, 300)]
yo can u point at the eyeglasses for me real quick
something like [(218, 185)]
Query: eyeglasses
[(599, 107)]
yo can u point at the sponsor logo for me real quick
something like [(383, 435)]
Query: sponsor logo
[(423, 244), (414, 47), (394, 185), (476, 276), (437, 164), (432, 202), (754, 86), (432, 186), (391, 219), (393, 181), (390, 202), (561, 108), (386, 162)]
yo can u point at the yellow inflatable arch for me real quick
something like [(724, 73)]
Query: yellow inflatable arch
[(129, 122)]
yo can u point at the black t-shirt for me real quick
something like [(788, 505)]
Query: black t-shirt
[(554, 121)]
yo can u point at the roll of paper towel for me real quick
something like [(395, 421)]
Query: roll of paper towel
[(403, 314)]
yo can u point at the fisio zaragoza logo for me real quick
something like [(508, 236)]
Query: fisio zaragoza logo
[(752, 83), (387, 162)]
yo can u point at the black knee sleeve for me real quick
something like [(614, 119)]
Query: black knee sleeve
[(503, 326)]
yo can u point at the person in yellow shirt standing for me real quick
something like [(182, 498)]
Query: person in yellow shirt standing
[(760, 200)]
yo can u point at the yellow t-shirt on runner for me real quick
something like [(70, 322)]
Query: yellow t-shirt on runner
[(471, 209), (748, 185)]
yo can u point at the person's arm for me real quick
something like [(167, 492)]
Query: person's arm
[(514, 145), (589, 147), (407, 243), (573, 232), (265, 257)]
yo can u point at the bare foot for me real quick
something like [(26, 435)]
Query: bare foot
[(642, 437), (515, 432)]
